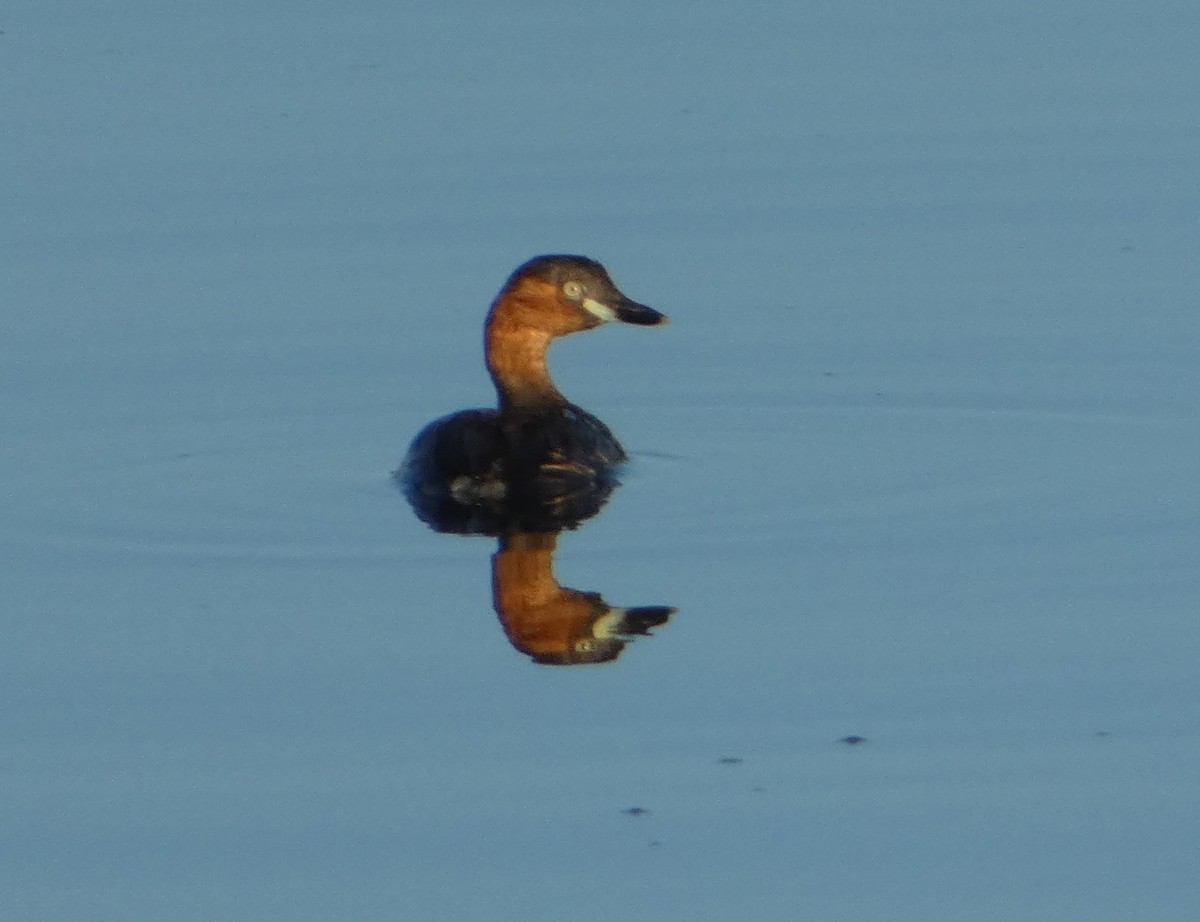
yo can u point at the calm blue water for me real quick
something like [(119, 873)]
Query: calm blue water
[(915, 461)]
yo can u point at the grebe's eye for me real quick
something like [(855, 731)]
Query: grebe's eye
[(573, 290)]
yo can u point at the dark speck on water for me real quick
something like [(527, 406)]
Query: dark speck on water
[(852, 740), (636, 811), (729, 760)]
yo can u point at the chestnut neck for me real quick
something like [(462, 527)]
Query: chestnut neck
[(516, 360)]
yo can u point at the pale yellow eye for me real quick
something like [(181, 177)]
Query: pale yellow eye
[(573, 290)]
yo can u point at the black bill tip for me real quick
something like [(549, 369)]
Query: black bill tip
[(631, 312)]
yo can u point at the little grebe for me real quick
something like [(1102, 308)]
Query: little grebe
[(537, 447)]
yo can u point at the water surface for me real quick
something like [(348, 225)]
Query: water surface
[(915, 462)]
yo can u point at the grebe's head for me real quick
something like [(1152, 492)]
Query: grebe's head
[(557, 295), (548, 297)]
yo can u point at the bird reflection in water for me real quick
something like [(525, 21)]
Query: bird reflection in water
[(535, 466), (552, 624)]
